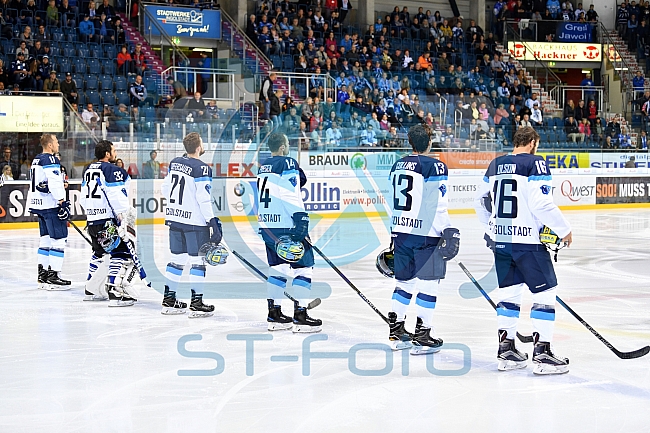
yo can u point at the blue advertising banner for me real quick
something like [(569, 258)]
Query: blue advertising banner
[(574, 32), (186, 22)]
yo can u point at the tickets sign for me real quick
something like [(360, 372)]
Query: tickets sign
[(556, 52)]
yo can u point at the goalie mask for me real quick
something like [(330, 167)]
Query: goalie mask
[(385, 263), (108, 237), (289, 250), (213, 254)]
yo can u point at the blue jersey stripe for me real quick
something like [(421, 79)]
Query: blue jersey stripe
[(52, 166), (114, 183), (202, 179), (542, 177), (436, 178)]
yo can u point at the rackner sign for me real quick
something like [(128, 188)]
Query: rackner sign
[(556, 52)]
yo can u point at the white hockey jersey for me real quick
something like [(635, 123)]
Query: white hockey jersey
[(519, 200), (279, 179), (418, 196), (45, 168), (116, 183), (187, 188)]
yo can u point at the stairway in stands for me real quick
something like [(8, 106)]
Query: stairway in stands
[(133, 35), (550, 107), (253, 58), (629, 58)]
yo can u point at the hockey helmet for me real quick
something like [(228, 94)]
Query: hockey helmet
[(385, 263), (289, 250), (213, 254), (108, 237)]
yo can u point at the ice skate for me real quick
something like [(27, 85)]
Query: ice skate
[(55, 283), (42, 278), (509, 357), (302, 322), (546, 362), (117, 298), (198, 308), (423, 343), (91, 297), (399, 338), (170, 305), (276, 320)]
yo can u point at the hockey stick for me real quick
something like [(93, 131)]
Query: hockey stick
[(338, 271), (129, 244), (522, 338), (80, 232), (623, 355), (313, 304)]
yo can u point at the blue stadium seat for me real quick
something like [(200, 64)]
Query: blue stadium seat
[(120, 83), (93, 97), (110, 52), (122, 97), (91, 82), (106, 82), (83, 51), (69, 50), (79, 65), (277, 61), (95, 50), (94, 67), (79, 81), (63, 65), (109, 67), (108, 97)]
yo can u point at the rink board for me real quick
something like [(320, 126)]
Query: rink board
[(363, 195)]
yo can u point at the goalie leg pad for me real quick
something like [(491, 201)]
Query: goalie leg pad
[(96, 281)]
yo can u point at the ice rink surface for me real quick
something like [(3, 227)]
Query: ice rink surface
[(73, 366)]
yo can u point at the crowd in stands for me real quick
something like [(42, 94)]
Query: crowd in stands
[(395, 74)]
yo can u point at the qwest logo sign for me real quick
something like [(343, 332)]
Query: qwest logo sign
[(318, 196)]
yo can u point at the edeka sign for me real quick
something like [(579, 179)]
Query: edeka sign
[(185, 22), (566, 160), (556, 52), (622, 190), (574, 32)]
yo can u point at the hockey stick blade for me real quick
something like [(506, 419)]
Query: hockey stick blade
[(313, 304), (623, 355), (522, 338)]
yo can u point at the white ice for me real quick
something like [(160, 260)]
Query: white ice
[(73, 366)]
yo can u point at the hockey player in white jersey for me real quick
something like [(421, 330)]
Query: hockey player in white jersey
[(47, 199), (194, 231), (422, 239), (284, 226), (515, 203), (109, 231)]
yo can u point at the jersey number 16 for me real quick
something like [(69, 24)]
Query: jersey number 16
[(505, 201)]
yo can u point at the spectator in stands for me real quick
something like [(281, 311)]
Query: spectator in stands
[(90, 9), (275, 110), (642, 141), (581, 111), (178, 90), (87, 30), (69, 88), (368, 137), (106, 9), (151, 168), (27, 37), (317, 138), (67, 14), (585, 128), (124, 61), (23, 49), (52, 84), (592, 15), (88, 114), (536, 117), (7, 162), (137, 92), (104, 26), (572, 130), (345, 6), (639, 84), (52, 14), (333, 135), (41, 35), (19, 70), (598, 131)]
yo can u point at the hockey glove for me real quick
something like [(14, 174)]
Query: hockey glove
[(489, 242), (300, 227), (126, 227), (449, 243), (42, 187), (64, 210), (215, 228)]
